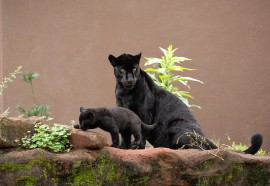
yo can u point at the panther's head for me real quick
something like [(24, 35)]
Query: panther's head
[(126, 69)]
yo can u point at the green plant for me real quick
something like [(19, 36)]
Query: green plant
[(28, 78), (164, 73), (241, 147), (3, 85), (37, 109), (52, 138)]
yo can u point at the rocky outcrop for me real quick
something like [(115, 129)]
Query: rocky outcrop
[(12, 130), (195, 167), (87, 139), (91, 162), (152, 166)]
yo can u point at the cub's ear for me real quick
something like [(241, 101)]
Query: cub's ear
[(82, 109), (112, 60), (138, 56)]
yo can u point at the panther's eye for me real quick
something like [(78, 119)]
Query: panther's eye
[(134, 69), (122, 70)]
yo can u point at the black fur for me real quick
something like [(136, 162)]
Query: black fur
[(136, 91), (116, 120), (256, 142)]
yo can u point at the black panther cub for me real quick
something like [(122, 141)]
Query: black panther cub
[(136, 91), (116, 120)]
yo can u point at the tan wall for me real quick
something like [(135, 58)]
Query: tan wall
[(1, 56), (68, 41)]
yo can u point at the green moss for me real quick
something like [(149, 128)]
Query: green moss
[(205, 165), (3, 128), (27, 180), (236, 174), (46, 165), (259, 175), (100, 172), (104, 171)]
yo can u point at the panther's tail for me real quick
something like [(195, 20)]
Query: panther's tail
[(256, 143)]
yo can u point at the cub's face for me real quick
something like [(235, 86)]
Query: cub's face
[(86, 119), (126, 69)]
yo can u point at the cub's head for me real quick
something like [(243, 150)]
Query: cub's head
[(126, 69), (86, 119)]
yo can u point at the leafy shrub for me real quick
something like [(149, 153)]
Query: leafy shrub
[(36, 110), (164, 73), (52, 138)]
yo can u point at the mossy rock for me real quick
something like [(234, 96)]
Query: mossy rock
[(112, 166), (12, 130)]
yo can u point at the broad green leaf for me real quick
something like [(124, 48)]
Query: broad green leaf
[(164, 51), (196, 106), (184, 68), (158, 71), (179, 59), (175, 68), (185, 83), (174, 50), (151, 61), (186, 94), (189, 79)]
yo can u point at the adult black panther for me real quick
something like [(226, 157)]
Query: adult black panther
[(136, 91)]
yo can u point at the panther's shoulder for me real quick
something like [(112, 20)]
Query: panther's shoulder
[(152, 85)]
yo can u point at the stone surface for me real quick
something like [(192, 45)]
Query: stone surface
[(194, 167), (152, 166), (87, 139), (92, 162), (13, 129)]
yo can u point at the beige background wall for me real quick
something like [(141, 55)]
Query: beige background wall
[(68, 42), (1, 55)]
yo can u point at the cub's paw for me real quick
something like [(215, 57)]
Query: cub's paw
[(77, 126)]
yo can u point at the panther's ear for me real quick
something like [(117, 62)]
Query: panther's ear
[(82, 109), (138, 57), (112, 60)]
